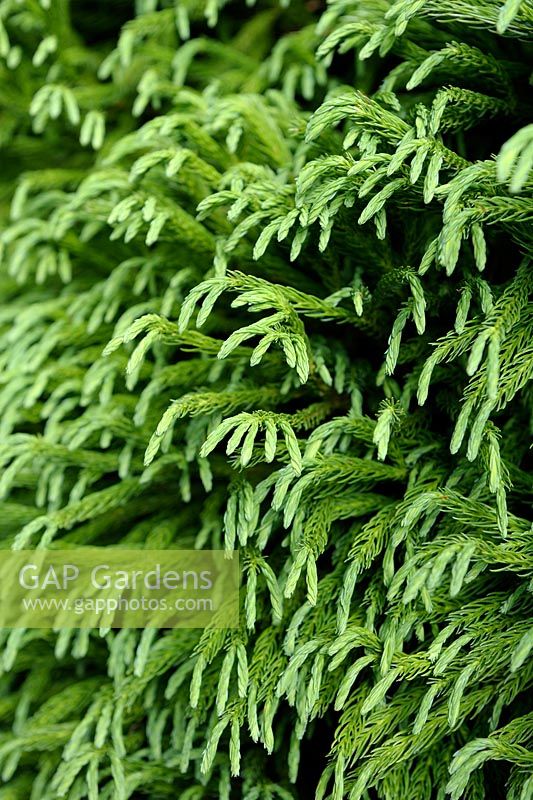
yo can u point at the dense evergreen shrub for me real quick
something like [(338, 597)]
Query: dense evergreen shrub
[(265, 284)]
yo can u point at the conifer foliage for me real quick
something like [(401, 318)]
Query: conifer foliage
[(265, 284)]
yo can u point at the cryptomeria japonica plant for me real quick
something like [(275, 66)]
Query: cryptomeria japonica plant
[(265, 284)]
